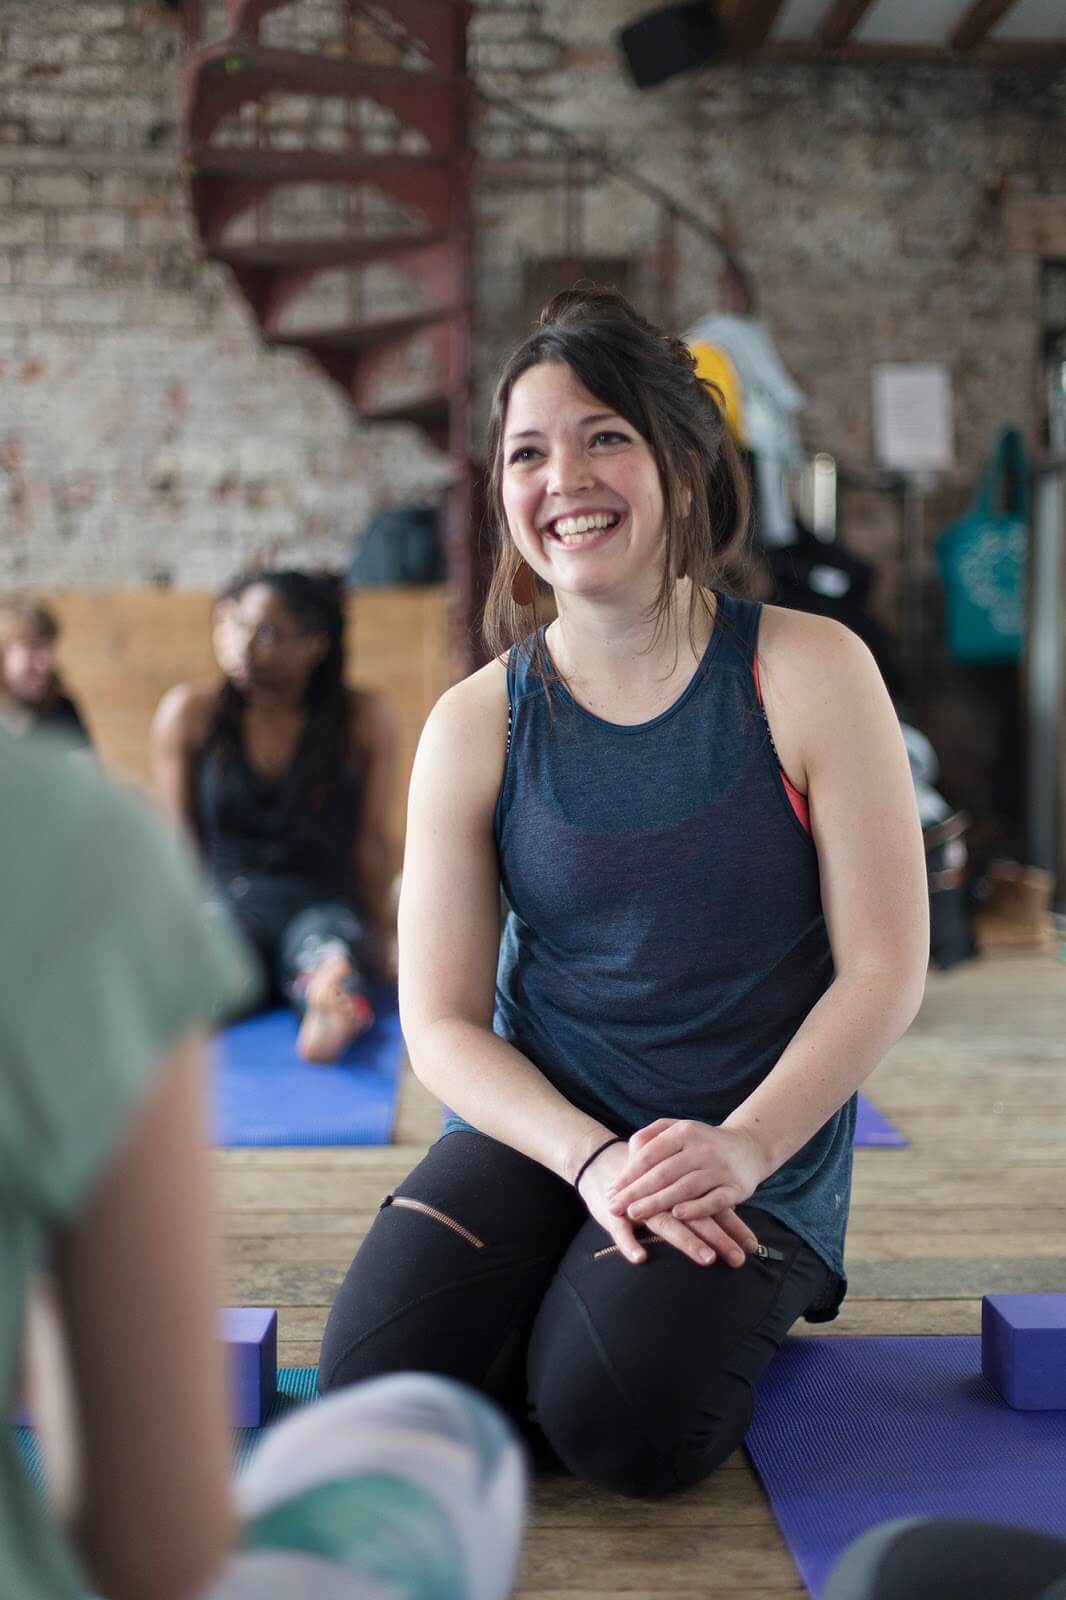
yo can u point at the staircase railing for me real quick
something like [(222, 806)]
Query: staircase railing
[(427, 171)]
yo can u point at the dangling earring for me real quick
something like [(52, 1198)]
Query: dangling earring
[(522, 585)]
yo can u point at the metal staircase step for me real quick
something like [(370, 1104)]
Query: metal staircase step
[(360, 338), (226, 76), (439, 25), (293, 255), (226, 181), (431, 412), (272, 273)]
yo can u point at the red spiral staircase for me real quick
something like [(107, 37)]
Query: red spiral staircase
[(408, 58)]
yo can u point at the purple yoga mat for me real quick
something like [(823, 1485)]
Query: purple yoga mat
[(850, 1433), (871, 1128)]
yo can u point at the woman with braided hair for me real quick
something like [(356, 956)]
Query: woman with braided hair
[(644, 1178), (283, 775)]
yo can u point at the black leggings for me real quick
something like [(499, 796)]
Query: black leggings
[(486, 1267), (292, 932)]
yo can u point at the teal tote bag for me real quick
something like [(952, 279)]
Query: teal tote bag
[(982, 560)]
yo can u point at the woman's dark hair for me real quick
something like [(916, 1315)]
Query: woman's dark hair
[(315, 603), (649, 379)]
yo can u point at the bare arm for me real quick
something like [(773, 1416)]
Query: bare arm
[(177, 732), (138, 1285), (449, 937), (841, 739), (871, 862), (374, 736)]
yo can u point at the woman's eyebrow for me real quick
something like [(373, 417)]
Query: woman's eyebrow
[(584, 422)]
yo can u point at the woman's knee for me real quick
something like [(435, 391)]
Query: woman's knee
[(609, 1439), (619, 1455)]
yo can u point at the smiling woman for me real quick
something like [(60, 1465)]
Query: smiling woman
[(645, 1177), (637, 392)]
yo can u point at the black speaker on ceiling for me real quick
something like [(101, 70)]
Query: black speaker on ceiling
[(671, 40)]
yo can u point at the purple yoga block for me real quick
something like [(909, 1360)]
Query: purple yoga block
[(251, 1336), (1023, 1349)]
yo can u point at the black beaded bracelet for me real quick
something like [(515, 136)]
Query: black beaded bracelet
[(606, 1145)]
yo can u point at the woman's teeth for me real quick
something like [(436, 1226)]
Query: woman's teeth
[(573, 530)]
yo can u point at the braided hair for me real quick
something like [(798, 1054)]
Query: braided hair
[(315, 603)]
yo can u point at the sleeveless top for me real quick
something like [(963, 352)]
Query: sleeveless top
[(665, 938), (263, 832)]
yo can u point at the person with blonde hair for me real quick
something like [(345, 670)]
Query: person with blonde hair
[(33, 696)]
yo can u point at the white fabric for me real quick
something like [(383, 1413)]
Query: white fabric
[(429, 1433), (772, 403)]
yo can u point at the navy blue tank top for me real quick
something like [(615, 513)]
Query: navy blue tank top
[(665, 938)]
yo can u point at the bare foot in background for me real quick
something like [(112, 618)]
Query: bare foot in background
[(334, 1017)]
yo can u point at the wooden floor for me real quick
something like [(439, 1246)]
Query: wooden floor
[(976, 1204)]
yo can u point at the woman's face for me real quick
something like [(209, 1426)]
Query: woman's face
[(258, 643), (580, 488), (29, 667)]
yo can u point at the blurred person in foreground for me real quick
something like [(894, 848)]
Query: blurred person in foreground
[(107, 989)]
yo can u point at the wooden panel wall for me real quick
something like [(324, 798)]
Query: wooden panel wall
[(121, 650)]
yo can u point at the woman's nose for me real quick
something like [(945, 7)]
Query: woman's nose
[(568, 470)]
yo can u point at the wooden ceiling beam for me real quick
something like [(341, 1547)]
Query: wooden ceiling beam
[(1047, 54), (749, 25), (840, 22), (977, 23)]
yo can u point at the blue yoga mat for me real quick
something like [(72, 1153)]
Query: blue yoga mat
[(872, 1128), (263, 1093), (850, 1433), (296, 1387)]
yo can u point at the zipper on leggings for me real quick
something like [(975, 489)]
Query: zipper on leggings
[(438, 1216), (764, 1252), (614, 1249)]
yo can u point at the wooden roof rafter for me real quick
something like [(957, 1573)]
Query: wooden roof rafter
[(840, 22), (749, 23), (975, 25)]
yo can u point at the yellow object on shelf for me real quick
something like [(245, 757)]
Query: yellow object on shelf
[(715, 367)]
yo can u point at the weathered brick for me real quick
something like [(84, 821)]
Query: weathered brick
[(21, 309), (22, 227), (130, 191), (92, 230), (54, 269), (87, 308), (52, 189)]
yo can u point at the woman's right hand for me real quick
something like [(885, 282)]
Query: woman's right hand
[(703, 1241)]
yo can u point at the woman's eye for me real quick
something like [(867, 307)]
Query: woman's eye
[(525, 453), (609, 436)]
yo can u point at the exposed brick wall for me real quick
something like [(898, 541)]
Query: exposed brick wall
[(146, 435)]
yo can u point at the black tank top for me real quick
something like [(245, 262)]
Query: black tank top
[(254, 828)]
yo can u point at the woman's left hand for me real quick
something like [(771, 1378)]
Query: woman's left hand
[(688, 1168)]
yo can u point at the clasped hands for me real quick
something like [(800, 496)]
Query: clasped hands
[(683, 1181)]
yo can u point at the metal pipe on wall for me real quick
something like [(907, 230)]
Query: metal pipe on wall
[(1045, 711)]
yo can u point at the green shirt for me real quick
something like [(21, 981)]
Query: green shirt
[(106, 959)]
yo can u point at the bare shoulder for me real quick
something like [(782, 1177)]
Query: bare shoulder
[(465, 737), (811, 661), (184, 713), (818, 681)]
